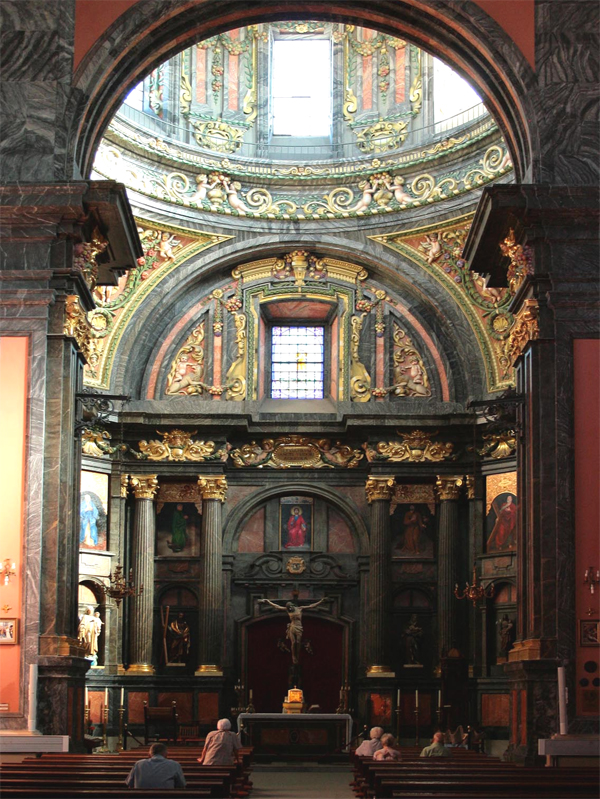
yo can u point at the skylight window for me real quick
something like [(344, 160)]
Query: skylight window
[(451, 94), (297, 362), (301, 86)]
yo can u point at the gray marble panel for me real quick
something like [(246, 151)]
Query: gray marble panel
[(33, 56)]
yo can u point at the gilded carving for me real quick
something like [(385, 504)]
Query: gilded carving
[(213, 488), (499, 445), (297, 452), (76, 324), (410, 375), (360, 380), (236, 375), (124, 486), (470, 485), (381, 136), (525, 329), (177, 445), (413, 494), (521, 264), (379, 488), (187, 370), (449, 486), (295, 565), (179, 492), (84, 257), (218, 135), (95, 442), (144, 486), (417, 447)]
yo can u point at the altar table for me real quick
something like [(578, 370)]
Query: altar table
[(296, 734)]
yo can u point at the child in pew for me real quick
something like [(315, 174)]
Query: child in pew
[(388, 749), (157, 771)]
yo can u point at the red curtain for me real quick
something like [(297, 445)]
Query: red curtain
[(268, 666)]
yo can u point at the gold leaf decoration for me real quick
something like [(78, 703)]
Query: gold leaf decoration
[(416, 447)]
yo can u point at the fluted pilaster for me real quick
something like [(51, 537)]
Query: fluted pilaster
[(142, 563), (448, 487), (214, 492), (379, 493)]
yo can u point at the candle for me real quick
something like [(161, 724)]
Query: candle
[(251, 694), (417, 698), (122, 696), (398, 698), (106, 697), (562, 700), (87, 697), (439, 698)]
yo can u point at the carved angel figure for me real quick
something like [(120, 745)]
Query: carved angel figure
[(432, 246), (166, 246)]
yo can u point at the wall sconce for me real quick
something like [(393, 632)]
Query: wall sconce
[(475, 592), (7, 571), (591, 578)]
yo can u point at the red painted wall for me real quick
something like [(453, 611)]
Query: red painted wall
[(586, 368)]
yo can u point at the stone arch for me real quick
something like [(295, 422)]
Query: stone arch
[(462, 34), (431, 304), (242, 511)]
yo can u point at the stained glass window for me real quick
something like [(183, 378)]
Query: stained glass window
[(297, 362)]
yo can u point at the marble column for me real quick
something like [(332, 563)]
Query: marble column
[(214, 493), (379, 493), (113, 647), (144, 487), (448, 488)]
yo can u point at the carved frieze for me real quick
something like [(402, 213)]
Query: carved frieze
[(379, 488), (213, 488), (449, 486), (416, 447), (179, 492), (177, 445), (296, 452), (318, 566), (415, 494), (144, 486)]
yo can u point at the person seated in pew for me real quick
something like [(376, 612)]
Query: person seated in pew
[(368, 748), (388, 749), (157, 771), (436, 748), (221, 746)]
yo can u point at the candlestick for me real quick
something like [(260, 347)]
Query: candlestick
[(417, 725), (120, 739), (562, 700)]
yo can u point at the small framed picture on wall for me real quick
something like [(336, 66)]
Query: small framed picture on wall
[(589, 632), (9, 631)]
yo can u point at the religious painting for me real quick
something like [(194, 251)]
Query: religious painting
[(93, 510), (381, 710), (9, 631), (589, 632), (501, 512), (178, 526), (295, 523), (413, 524)]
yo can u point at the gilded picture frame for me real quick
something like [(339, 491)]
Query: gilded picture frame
[(9, 631), (295, 523)]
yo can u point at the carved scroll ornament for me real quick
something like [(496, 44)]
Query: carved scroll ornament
[(187, 371), (297, 452), (499, 445), (76, 325), (410, 375), (177, 445), (525, 329), (520, 262), (417, 447)]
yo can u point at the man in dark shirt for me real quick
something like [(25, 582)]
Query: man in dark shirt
[(157, 771)]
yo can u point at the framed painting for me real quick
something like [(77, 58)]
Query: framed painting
[(295, 523), (381, 710), (501, 512), (178, 527), (589, 632), (413, 526), (9, 631), (93, 510)]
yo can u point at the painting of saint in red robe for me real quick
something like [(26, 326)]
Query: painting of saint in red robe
[(502, 523), (296, 523)]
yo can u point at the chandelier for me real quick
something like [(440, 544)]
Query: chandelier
[(474, 592), (120, 588)]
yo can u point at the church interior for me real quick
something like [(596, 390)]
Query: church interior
[(300, 376)]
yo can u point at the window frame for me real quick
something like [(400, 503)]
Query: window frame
[(302, 323)]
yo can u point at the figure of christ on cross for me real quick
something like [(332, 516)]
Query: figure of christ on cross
[(294, 629)]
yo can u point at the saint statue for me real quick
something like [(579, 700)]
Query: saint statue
[(413, 634), (178, 640), (506, 634), (88, 633), (294, 629)]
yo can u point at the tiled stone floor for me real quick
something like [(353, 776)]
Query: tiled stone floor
[(295, 781)]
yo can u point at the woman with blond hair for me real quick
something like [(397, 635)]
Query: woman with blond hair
[(388, 749), (368, 748)]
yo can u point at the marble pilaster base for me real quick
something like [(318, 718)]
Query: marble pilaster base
[(61, 698)]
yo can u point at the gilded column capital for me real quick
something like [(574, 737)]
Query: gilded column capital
[(124, 485), (380, 488), (448, 486), (213, 487), (144, 486)]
